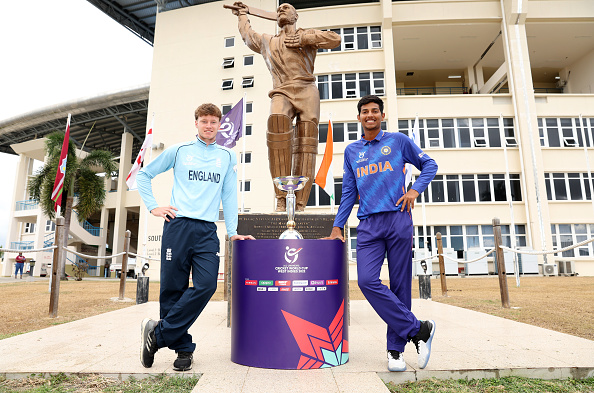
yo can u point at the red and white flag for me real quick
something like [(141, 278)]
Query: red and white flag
[(61, 173), (325, 177), (148, 143)]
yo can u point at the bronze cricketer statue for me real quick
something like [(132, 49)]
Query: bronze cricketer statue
[(289, 56)]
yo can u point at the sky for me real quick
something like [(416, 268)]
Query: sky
[(58, 51)]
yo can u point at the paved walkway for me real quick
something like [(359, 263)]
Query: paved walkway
[(467, 344)]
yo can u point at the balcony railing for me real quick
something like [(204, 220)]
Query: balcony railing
[(30, 204), (430, 91), (93, 230), (21, 245)]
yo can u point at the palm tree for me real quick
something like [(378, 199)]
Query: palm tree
[(81, 178)]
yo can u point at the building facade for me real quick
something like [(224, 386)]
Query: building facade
[(502, 93)]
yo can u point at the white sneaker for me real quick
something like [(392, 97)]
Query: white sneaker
[(396, 361), (423, 344)]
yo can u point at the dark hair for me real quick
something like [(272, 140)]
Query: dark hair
[(369, 99), (207, 109)]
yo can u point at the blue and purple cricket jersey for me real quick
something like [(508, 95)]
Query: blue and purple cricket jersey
[(374, 170)]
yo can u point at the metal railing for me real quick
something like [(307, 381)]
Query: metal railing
[(22, 245), (30, 204), (419, 91)]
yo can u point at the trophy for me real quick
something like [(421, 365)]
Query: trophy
[(290, 184)]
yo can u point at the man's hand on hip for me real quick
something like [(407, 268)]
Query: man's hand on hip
[(336, 234), (164, 212), (408, 200)]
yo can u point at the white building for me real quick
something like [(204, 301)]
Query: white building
[(498, 86)]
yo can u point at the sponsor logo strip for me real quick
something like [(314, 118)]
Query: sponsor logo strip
[(300, 283), (266, 282), (251, 282), (283, 283), (317, 282), (331, 282)]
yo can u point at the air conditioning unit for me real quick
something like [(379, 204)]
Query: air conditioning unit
[(566, 268), (560, 84), (548, 269)]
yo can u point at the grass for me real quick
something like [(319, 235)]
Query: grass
[(95, 383), (495, 385)]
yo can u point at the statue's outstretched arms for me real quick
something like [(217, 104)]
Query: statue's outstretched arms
[(251, 38), (312, 37)]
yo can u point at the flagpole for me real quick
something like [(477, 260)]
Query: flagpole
[(512, 227), (148, 213), (333, 194), (243, 154)]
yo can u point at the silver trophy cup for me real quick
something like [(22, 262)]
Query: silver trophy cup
[(290, 184)]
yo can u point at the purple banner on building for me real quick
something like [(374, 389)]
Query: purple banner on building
[(289, 304)]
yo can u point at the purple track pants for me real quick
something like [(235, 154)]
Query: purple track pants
[(388, 233)]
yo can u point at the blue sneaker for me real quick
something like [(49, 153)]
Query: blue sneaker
[(422, 341)]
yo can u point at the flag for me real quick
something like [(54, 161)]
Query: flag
[(61, 173), (415, 137), (231, 126), (146, 145), (325, 178)]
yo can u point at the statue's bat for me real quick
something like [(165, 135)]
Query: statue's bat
[(255, 11)]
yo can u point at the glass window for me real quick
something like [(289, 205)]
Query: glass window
[(248, 129), (499, 187), (484, 188), (453, 188), (437, 189), (248, 60), (575, 186), (468, 188), (229, 42)]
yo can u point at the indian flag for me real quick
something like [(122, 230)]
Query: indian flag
[(325, 178)]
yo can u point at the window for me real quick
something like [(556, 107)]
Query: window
[(227, 84), (318, 197), (50, 226), (248, 129), (463, 237), (472, 188), (351, 85), (229, 62), (357, 38), (343, 132), (462, 133), (29, 227), (229, 42), (248, 60), (248, 158), (565, 235), (247, 82), (566, 132), (247, 186), (567, 186), (226, 108), (248, 107)]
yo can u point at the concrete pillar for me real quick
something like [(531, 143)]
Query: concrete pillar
[(103, 245), (121, 212), (522, 90), (391, 104), (39, 239), (24, 168)]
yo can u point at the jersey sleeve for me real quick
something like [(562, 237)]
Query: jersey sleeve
[(162, 163), (414, 155), (229, 196)]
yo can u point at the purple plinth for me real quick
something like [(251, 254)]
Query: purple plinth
[(289, 304)]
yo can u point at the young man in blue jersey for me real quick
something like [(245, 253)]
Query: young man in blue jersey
[(374, 171), (204, 175)]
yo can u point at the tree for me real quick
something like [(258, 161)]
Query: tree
[(81, 179)]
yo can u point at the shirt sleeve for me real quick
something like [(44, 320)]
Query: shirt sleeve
[(161, 164), (320, 39), (229, 196), (414, 155), (349, 194), (252, 39)]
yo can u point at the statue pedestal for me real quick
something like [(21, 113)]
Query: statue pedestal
[(289, 304)]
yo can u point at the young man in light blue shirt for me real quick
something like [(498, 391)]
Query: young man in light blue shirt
[(204, 175)]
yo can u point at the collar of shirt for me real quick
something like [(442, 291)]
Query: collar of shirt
[(204, 143), (378, 138)]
